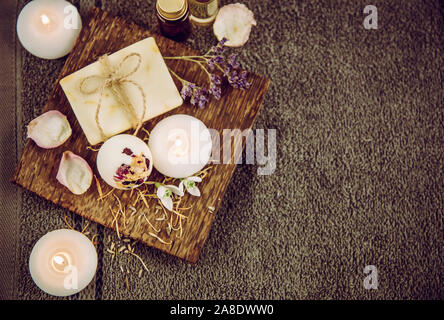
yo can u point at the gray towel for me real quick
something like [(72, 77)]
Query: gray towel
[(359, 178)]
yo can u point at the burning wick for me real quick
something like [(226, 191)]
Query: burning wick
[(180, 148), (45, 19), (60, 261)]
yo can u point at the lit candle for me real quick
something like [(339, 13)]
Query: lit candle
[(48, 28), (63, 262), (180, 146)]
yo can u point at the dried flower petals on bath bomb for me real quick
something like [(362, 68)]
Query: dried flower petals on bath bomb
[(50, 129), (74, 173), (234, 22), (124, 161)]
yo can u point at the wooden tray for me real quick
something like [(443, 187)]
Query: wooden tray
[(37, 168)]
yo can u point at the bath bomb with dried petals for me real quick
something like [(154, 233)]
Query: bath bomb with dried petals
[(124, 161), (49, 130), (74, 173), (234, 22)]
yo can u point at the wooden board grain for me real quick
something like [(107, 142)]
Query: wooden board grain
[(37, 168)]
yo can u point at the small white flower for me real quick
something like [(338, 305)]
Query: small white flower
[(165, 192), (190, 185)]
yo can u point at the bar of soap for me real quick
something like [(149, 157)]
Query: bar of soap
[(153, 76)]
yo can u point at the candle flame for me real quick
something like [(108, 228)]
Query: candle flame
[(45, 19), (59, 260), (178, 142)]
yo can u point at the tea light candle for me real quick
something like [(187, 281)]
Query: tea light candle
[(63, 262), (180, 146), (48, 28)]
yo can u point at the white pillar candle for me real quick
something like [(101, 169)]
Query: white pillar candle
[(48, 28), (63, 262), (180, 146)]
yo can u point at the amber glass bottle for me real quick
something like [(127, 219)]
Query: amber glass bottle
[(173, 17)]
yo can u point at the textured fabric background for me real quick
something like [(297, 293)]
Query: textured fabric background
[(9, 194), (359, 178)]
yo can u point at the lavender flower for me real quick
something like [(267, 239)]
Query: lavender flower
[(196, 95), (233, 62), (238, 80), (200, 98), (215, 86), (187, 90), (215, 79), (215, 60), (219, 48), (229, 67)]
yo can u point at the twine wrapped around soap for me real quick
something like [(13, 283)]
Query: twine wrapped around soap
[(114, 81)]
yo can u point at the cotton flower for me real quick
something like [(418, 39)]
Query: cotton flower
[(234, 22), (190, 185), (165, 193)]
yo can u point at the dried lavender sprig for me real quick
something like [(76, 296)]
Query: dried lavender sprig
[(199, 96), (214, 58)]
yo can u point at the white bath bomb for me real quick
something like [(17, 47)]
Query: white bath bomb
[(124, 161)]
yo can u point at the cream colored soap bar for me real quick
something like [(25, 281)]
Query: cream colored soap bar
[(152, 76)]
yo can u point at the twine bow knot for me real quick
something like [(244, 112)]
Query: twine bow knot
[(114, 79)]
